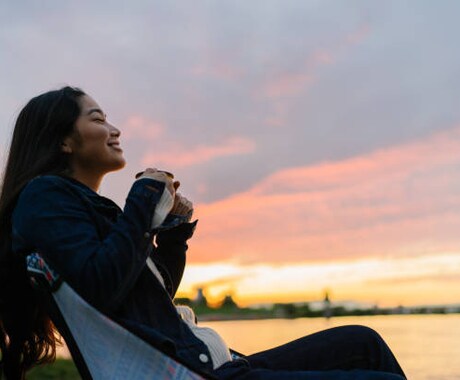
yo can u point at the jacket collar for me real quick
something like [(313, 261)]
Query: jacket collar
[(96, 199)]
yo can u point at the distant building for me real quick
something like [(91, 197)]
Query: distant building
[(200, 299), (229, 303), (327, 310)]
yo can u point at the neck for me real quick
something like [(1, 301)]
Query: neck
[(92, 180)]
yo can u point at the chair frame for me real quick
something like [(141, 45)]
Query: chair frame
[(100, 347)]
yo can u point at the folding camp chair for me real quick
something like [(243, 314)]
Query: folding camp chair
[(100, 348), (103, 349)]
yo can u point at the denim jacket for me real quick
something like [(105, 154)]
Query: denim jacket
[(101, 251)]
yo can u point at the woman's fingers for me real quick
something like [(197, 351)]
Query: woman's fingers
[(182, 206), (160, 176), (153, 170), (148, 170)]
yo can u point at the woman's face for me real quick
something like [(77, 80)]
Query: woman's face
[(94, 147)]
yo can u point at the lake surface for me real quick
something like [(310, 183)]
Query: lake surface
[(427, 346)]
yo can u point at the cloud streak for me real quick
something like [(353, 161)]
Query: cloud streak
[(395, 201), (140, 128), (178, 156), (292, 82), (368, 280)]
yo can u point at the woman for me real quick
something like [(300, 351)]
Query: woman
[(61, 149)]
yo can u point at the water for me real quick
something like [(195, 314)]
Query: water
[(427, 346)]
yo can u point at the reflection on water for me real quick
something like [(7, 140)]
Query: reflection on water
[(427, 346)]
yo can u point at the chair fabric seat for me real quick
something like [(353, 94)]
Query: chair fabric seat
[(101, 348)]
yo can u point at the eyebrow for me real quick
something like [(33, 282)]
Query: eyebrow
[(92, 110)]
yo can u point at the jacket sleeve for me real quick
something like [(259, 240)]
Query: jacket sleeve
[(51, 218), (170, 254)]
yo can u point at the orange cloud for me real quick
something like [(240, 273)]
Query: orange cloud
[(286, 84), (137, 127), (180, 156), (292, 83), (398, 201)]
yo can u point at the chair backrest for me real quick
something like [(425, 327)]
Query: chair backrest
[(101, 348)]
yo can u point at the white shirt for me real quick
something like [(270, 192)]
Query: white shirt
[(220, 353)]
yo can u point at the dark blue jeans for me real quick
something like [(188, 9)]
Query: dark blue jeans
[(345, 353)]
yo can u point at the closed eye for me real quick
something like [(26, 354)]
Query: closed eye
[(100, 117)]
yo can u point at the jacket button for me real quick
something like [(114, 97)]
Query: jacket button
[(203, 358), (146, 235)]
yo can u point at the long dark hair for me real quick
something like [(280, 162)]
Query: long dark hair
[(27, 336)]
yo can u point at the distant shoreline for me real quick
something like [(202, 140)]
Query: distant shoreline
[(235, 316)]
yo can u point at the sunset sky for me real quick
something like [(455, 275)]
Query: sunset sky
[(318, 140)]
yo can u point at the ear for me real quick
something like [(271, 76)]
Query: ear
[(66, 146)]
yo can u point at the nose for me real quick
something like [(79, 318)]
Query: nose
[(114, 131)]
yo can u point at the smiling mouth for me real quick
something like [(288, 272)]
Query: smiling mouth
[(116, 146)]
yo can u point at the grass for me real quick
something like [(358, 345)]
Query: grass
[(61, 369)]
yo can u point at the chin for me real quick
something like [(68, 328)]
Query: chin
[(118, 165), (121, 165)]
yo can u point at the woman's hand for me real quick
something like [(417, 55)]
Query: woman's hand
[(182, 206), (160, 176)]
